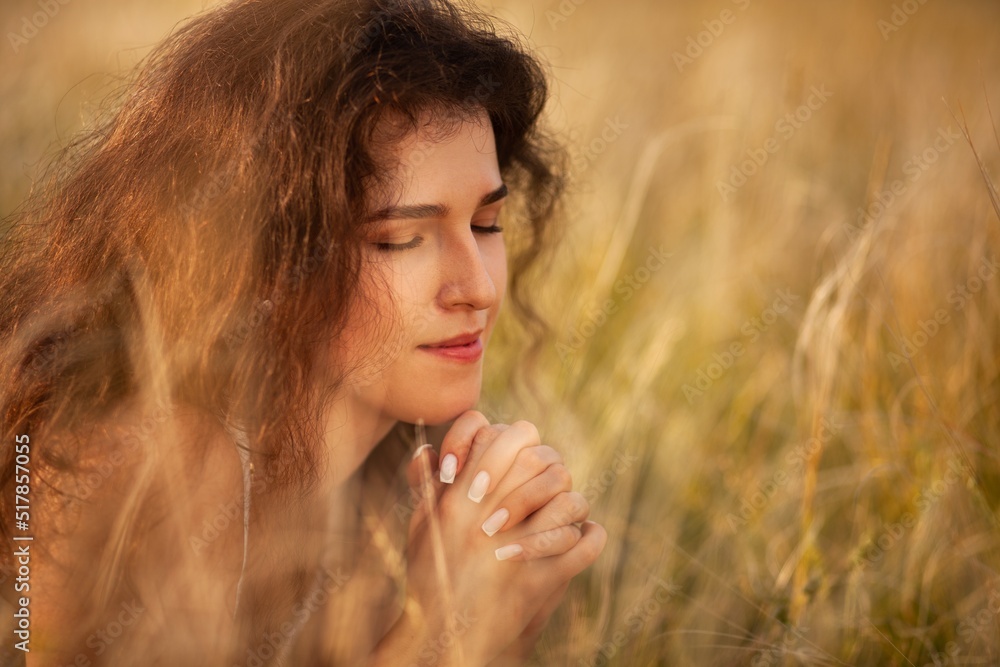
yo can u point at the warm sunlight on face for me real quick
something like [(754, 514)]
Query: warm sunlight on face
[(436, 271)]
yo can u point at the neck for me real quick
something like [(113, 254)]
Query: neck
[(352, 430)]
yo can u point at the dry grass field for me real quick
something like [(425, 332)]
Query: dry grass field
[(775, 361)]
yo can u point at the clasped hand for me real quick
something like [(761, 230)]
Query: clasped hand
[(492, 548)]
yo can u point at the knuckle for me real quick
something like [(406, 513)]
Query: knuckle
[(474, 416), (571, 535), (484, 437), (550, 454), (562, 475), (528, 462), (600, 539), (578, 503), (554, 539), (530, 458), (590, 549), (562, 534), (559, 516), (529, 429), (562, 503)]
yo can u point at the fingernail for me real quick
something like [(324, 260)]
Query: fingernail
[(420, 449), (509, 551), (496, 521), (448, 467), (479, 486)]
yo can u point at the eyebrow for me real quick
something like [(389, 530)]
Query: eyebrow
[(423, 211)]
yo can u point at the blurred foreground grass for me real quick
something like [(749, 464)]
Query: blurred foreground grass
[(775, 370)]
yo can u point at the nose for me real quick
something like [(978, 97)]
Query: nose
[(466, 280)]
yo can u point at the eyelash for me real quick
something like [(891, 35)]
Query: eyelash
[(395, 247), (390, 247), (492, 229)]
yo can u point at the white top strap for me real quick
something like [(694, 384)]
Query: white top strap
[(243, 449)]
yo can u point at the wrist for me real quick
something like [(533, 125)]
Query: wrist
[(410, 642), (398, 647)]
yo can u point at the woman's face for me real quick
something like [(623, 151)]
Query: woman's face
[(434, 276)]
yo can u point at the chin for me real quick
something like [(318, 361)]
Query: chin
[(439, 409)]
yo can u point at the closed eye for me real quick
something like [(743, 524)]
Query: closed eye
[(390, 247), (492, 229)]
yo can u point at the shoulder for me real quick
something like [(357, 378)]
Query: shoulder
[(148, 459), (146, 499), (153, 452)]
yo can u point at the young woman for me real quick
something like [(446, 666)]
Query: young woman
[(222, 318)]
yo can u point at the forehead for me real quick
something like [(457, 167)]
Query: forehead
[(443, 159)]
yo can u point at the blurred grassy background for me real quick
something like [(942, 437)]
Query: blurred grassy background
[(784, 412)]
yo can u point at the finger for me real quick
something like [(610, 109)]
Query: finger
[(565, 509), (497, 459), (583, 554), (458, 442), (528, 464), (553, 542), (528, 498)]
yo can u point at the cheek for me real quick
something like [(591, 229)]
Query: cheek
[(369, 324), (401, 293)]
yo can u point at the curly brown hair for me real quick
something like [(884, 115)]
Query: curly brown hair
[(202, 244)]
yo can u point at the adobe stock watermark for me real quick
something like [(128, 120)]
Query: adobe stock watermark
[(892, 533), (913, 170), (795, 462), (562, 13), (127, 617), (751, 330), (775, 655), (625, 288), (433, 650), (632, 624), (94, 479), (699, 43), (900, 16), (970, 627), (275, 643), (289, 281), (212, 528), (784, 129), (610, 133), (101, 640), (221, 179), (214, 187), (32, 25), (42, 359), (596, 486), (958, 298), (226, 515)]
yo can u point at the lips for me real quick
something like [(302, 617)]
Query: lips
[(462, 349), (457, 341)]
